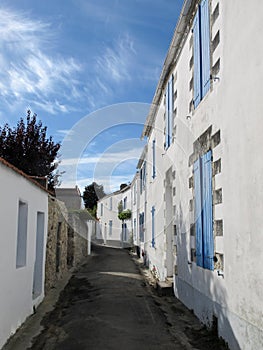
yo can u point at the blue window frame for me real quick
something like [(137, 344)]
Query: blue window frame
[(124, 232), (153, 160), (201, 30), (110, 227), (125, 203), (143, 177), (141, 226), (204, 211), (134, 229), (169, 113), (153, 226)]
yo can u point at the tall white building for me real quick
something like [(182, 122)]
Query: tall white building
[(204, 188)]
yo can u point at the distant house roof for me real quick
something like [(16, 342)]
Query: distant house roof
[(20, 172), (71, 197)]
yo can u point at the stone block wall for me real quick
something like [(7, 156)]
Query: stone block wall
[(57, 240), (67, 243), (78, 233)]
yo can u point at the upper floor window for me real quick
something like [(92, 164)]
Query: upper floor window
[(125, 203), (201, 31), (169, 113), (110, 203), (101, 209), (134, 193), (143, 177), (153, 160)]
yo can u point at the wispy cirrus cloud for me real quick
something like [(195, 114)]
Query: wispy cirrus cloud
[(30, 71), (105, 158), (116, 61)]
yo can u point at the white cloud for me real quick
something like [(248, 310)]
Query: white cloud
[(30, 71), (115, 62), (110, 183), (105, 158)]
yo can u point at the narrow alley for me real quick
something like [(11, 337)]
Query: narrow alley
[(107, 304)]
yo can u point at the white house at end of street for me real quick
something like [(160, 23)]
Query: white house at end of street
[(113, 231)]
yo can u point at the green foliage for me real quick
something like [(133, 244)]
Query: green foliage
[(93, 212), (91, 194), (125, 215), (28, 148)]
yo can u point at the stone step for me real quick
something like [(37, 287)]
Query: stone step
[(165, 288)]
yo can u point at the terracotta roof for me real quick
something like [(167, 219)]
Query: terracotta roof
[(20, 172)]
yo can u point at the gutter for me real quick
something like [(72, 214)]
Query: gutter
[(181, 30)]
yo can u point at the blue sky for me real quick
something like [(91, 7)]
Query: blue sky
[(70, 61)]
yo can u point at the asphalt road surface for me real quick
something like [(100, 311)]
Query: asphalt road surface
[(107, 305)]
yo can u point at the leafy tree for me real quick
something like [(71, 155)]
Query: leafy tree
[(125, 215), (92, 193), (28, 148)]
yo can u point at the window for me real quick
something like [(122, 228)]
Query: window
[(101, 209), (134, 229), (21, 247), (143, 177), (110, 204), (124, 232), (153, 169), (141, 226), (201, 30), (153, 226), (204, 211), (110, 227), (134, 193), (125, 203), (169, 113)]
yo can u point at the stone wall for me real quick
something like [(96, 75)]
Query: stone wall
[(78, 233), (57, 241), (67, 243)]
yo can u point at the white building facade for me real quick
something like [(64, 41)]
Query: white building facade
[(204, 172), (24, 214), (197, 197), (113, 231)]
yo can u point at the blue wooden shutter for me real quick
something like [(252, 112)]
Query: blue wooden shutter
[(142, 227), (125, 232), (154, 170), (153, 228), (208, 239), (205, 46), (167, 117), (197, 61), (170, 129), (141, 179), (198, 213)]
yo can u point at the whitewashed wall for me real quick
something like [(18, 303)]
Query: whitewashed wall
[(107, 210), (233, 106), (16, 302)]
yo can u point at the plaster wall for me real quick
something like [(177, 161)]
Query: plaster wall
[(232, 106), (16, 301), (109, 212)]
